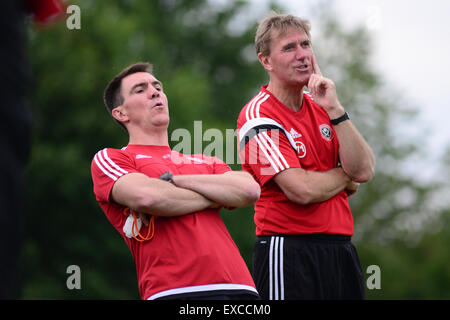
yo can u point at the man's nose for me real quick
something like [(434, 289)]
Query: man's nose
[(152, 92), (300, 53)]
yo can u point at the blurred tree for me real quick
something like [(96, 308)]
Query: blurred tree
[(209, 71), (395, 210), (206, 77)]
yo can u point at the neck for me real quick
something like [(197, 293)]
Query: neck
[(290, 96), (155, 138)]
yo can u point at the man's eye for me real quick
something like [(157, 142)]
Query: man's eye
[(306, 44)]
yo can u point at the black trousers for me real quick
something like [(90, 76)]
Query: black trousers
[(311, 267)]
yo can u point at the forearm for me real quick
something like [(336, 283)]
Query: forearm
[(231, 189), (307, 187), (322, 186), (355, 155), (154, 196), (174, 201)]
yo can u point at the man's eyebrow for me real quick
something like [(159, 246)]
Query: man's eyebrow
[(140, 84), (157, 82), (292, 43)]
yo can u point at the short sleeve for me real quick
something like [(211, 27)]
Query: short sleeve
[(219, 166), (107, 166), (267, 153)]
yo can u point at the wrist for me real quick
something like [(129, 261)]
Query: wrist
[(336, 112), (167, 176), (345, 177), (339, 119)]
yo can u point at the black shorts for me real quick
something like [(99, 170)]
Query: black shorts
[(316, 266)]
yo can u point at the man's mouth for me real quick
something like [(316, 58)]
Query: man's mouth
[(302, 67)]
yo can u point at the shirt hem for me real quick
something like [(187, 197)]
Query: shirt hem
[(202, 288)]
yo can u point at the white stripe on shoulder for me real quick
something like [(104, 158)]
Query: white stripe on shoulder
[(269, 147), (276, 149), (105, 164), (97, 162), (250, 106), (262, 146), (258, 105), (105, 154)]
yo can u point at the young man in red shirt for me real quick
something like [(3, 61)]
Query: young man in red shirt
[(308, 158), (166, 204)]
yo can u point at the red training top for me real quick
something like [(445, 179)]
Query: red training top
[(187, 254), (273, 138)]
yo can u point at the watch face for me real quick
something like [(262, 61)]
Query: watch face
[(166, 176)]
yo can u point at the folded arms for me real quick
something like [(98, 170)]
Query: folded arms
[(190, 193)]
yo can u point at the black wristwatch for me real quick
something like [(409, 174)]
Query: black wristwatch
[(340, 119), (167, 176)]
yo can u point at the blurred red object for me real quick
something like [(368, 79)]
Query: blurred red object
[(46, 11)]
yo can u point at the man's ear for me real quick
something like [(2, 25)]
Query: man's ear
[(120, 114), (265, 61)]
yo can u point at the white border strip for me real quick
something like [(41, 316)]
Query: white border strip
[(271, 269), (276, 272), (201, 288), (250, 124)]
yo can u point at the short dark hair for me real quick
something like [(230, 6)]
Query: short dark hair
[(112, 96)]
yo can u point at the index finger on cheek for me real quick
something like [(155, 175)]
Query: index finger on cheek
[(315, 66)]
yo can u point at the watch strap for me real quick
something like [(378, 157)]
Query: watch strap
[(340, 119), (167, 176)]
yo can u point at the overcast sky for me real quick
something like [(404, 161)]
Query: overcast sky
[(411, 50)]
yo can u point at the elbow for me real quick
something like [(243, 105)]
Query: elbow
[(364, 175), (143, 202), (362, 171), (302, 200), (300, 196), (249, 189), (253, 191), (250, 194)]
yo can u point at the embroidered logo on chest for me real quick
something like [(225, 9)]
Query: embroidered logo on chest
[(295, 134), (326, 132), (301, 149)]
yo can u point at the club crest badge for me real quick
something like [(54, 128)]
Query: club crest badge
[(301, 149), (326, 132)]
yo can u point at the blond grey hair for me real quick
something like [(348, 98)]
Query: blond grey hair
[(279, 23)]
